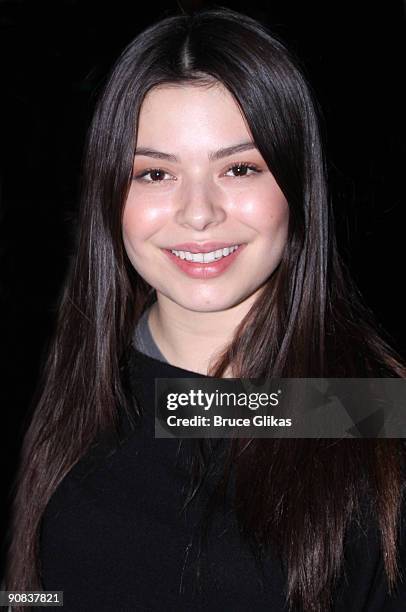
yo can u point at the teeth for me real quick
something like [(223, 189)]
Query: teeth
[(206, 257)]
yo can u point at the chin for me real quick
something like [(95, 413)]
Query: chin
[(202, 305)]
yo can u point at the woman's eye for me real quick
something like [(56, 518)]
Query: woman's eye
[(242, 170), (156, 175)]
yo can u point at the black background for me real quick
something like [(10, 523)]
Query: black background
[(54, 57)]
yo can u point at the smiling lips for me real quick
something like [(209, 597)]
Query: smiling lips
[(204, 247), (206, 257), (207, 262)]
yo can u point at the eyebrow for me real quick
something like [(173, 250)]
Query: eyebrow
[(213, 155)]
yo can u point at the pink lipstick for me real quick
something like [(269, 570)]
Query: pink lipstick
[(200, 269)]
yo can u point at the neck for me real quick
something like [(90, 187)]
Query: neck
[(190, 339)]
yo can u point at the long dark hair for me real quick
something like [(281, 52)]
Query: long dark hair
[(309, 320)]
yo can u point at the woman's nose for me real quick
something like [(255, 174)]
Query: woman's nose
[(200, 205)]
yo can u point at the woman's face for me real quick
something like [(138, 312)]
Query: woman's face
[(189, 186)]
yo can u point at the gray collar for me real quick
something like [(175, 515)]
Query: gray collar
[(143, 340)]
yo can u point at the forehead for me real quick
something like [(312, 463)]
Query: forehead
[(182, 114)]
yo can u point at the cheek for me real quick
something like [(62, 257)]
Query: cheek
[(130, 229), (278, 218), (141, 219), (267, 212), (135, 229)]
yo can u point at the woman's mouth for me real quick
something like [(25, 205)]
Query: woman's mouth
[(205, 265)]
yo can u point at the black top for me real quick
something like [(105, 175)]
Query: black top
[(114, 536)]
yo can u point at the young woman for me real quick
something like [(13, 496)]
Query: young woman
[(206, 248)]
